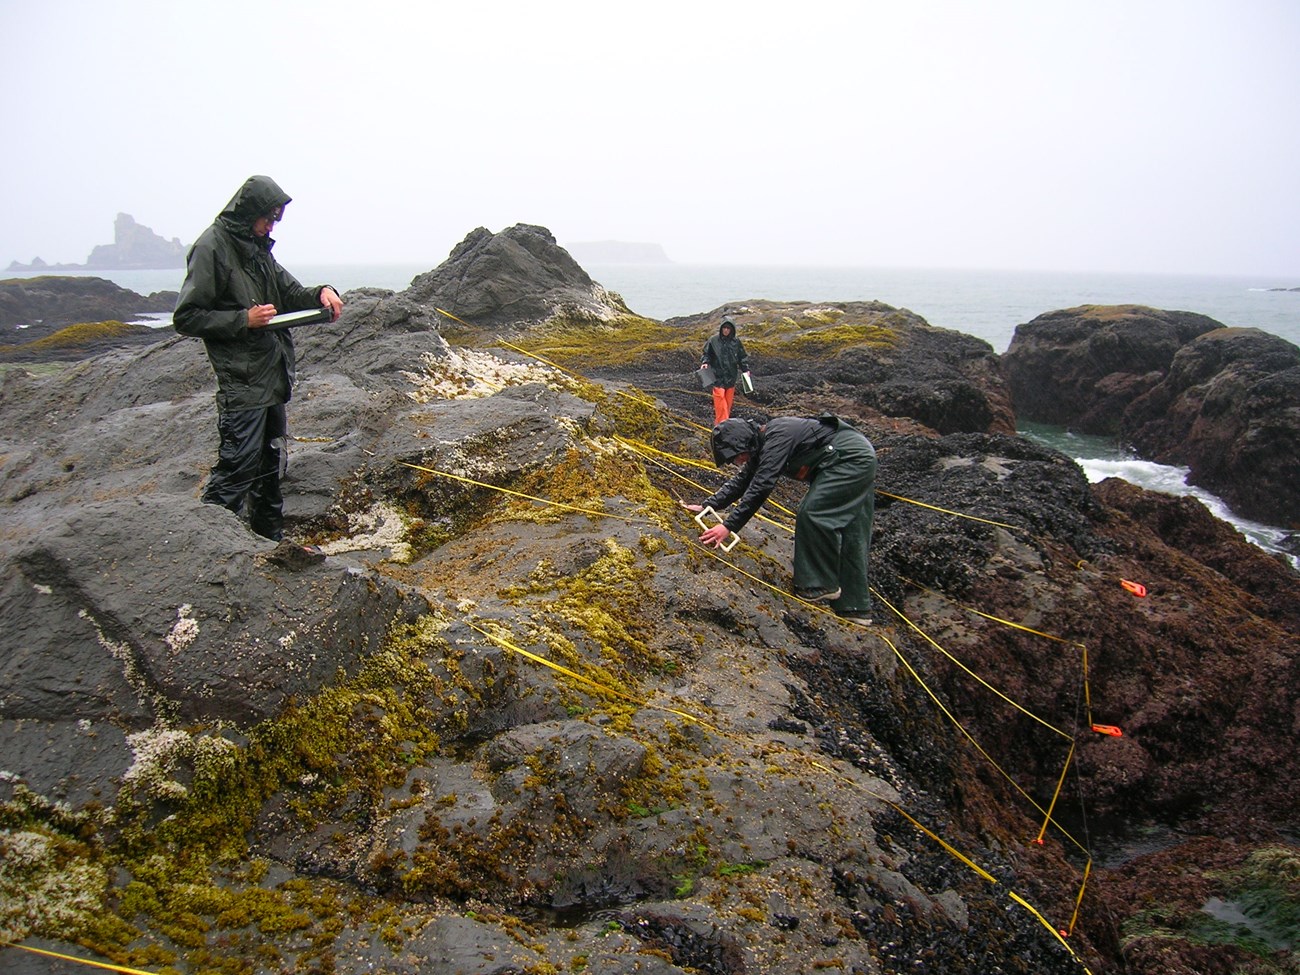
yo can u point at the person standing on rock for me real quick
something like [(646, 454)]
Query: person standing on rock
[(724, 353), (832, 535), (233, 288)]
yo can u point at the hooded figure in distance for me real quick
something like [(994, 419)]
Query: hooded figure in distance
[(832, 534), (233, 288), (725, 354)]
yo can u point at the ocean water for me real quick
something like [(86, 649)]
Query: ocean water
[(1103, 457), (986, 304)]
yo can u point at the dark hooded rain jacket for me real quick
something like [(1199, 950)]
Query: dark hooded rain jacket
[(726, 354), (791, 445), (229, 270)]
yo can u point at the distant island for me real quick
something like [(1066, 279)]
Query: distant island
[(135, 247), (617, 252)]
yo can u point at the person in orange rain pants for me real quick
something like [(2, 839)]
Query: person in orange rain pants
[(725, 354)]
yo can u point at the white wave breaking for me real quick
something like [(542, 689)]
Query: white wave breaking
[(1173, 480)]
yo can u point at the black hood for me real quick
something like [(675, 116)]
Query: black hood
[(727, 326), (733, 437), (256, 198)]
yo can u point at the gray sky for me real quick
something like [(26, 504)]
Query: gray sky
[(1127, 135)]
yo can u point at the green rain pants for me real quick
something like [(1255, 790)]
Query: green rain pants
[(832, 532)]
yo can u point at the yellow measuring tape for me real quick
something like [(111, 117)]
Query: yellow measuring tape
[(76, 960), (518, 494), (583, 679)]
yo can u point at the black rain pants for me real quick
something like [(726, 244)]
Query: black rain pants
[(248, 467)]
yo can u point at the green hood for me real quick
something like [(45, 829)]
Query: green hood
[(256, 198)]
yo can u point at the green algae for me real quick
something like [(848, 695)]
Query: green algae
[(179, 853), (575, 342), (821, 335), (77, 336), (1266, 890)]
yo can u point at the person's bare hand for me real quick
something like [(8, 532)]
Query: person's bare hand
[(715, 536), (693, 508), (329, 299), (259, 315)]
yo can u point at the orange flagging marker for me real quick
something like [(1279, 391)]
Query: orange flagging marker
[(1136, 588), (1108, 729)]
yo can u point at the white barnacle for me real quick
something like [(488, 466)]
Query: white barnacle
[(184, 630)]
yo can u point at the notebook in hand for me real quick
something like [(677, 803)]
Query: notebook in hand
[(293, 319)]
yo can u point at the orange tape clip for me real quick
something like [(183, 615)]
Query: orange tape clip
[(1108, 729), (1136, 588)]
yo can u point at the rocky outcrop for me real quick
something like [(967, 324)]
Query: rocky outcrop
[(358, 759), (1229, 410), (1180, 388), (32, 308), (863, 358), (869, 358), (1082, 367), (136, 246), (518, 276)]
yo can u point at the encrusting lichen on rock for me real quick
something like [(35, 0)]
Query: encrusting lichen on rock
[(45, 886)]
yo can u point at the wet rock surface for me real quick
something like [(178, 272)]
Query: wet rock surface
[(1180, 388), (472, 731), (33, 307), (868, 359)]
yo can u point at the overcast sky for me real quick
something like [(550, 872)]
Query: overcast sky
[(1126, 135)]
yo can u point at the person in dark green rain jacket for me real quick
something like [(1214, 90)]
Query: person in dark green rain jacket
[(832, 534), (233, 288)]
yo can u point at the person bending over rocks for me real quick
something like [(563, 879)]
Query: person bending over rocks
[(832, 536)]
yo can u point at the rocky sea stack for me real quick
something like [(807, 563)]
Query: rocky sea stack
[(1180, 387), (507, 716), (134, 246)]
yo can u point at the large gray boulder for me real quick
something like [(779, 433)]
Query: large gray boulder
[(1082, 367), (517, 276)]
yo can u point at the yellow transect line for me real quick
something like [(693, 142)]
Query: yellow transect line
[(560, 668), (948, 847), (645, 450), (995, 619), (519, 494), (957, 514), (930, 640), (814, 606), (75, 959), (642, 450)]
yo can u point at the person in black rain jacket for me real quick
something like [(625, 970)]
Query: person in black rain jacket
[(233, 287), (725, 354), (832, 537)]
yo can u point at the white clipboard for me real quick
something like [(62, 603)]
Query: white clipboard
[(293, 319)]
